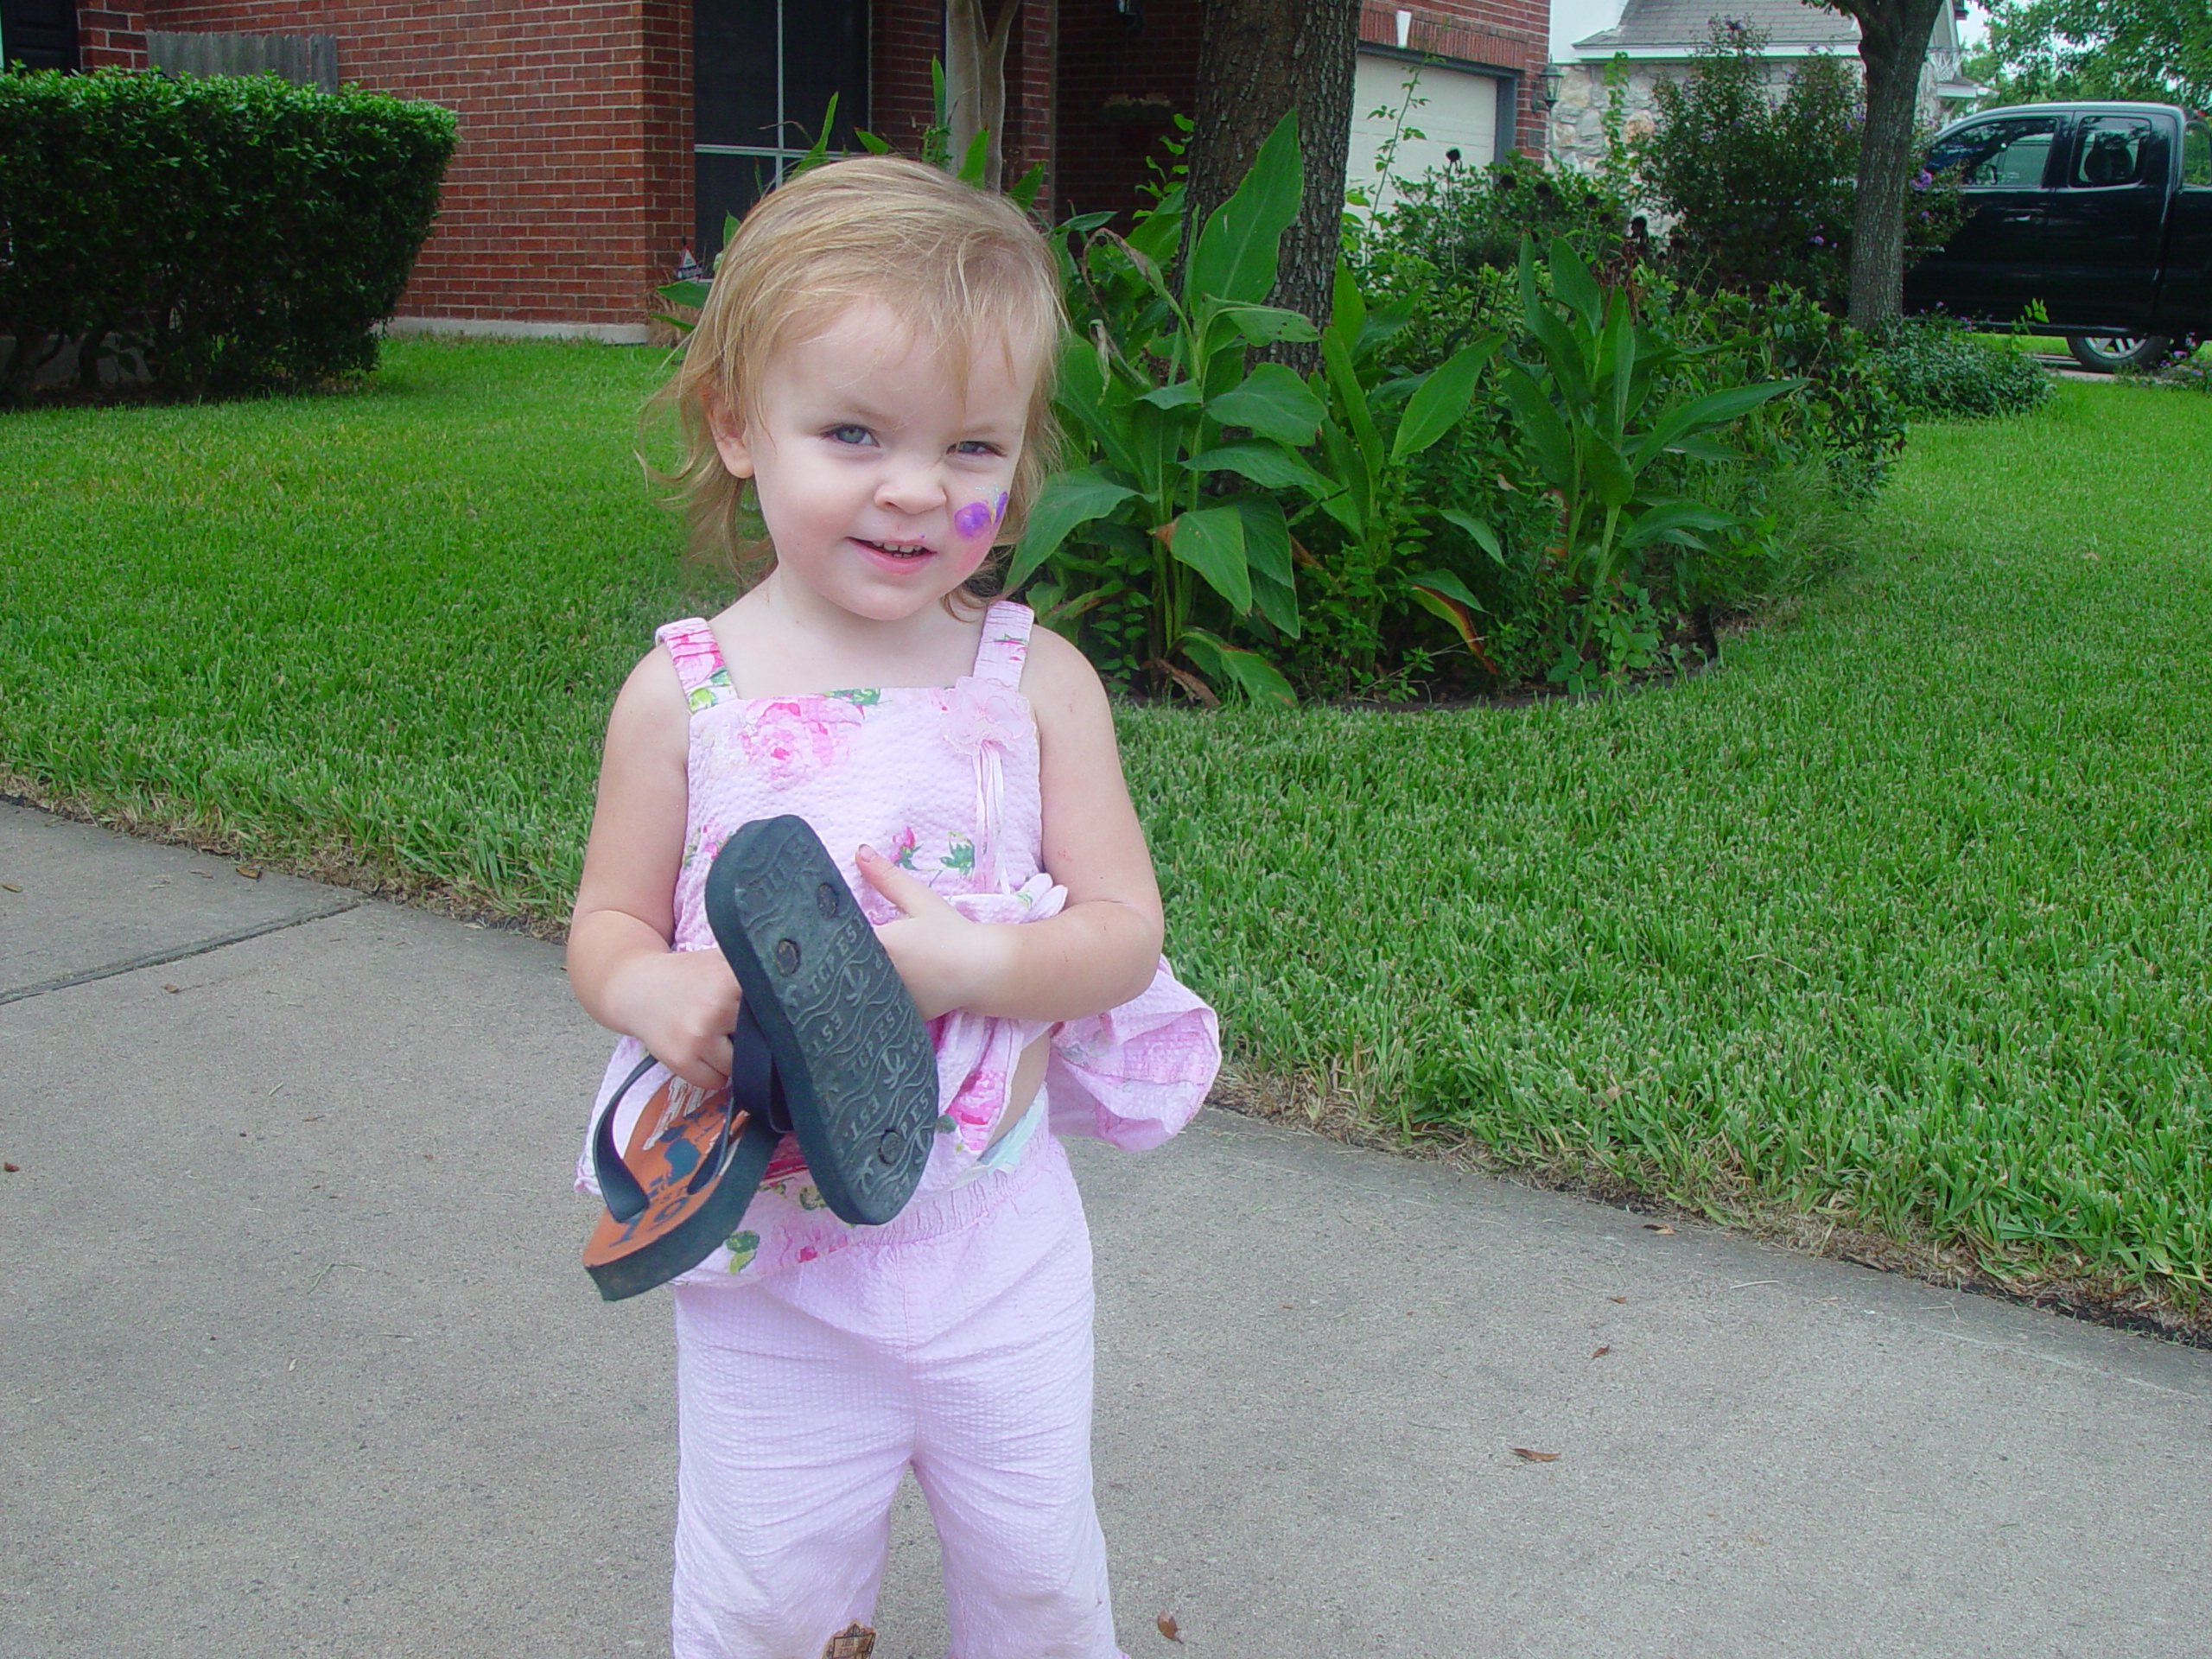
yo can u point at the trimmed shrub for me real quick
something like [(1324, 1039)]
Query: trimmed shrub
[(232, 234), (1939, 368)]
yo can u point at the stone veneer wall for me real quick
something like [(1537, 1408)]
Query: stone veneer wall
[(1578, 132)]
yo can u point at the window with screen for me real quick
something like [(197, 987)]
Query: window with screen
[(764, 72)]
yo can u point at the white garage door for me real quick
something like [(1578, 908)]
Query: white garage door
[(1461, 114)]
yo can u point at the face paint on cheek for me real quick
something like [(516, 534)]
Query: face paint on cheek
[(973, 520), (998, 512)]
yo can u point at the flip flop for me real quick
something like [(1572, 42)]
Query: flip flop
[(694, 1161), (851, 1057)]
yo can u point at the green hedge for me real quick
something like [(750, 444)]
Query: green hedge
[(230, 233)]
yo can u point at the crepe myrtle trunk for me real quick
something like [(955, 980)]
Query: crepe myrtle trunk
[(1256, 59), (975, 79), (1893, 38)]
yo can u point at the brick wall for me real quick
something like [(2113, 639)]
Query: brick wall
[(1514, 35), (110, 40), (1099, 162), (570, 193)]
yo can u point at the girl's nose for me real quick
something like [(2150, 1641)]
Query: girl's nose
[(910, 489)]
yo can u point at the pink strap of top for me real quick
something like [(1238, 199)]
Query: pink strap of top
[(1006, 643), (699, 666), (705, 677)]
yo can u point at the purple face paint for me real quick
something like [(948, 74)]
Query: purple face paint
[(973, 519), (998, 513)]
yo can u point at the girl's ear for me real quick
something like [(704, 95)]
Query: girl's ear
[(730, 439)]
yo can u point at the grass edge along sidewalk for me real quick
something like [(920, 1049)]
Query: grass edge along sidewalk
[(1894, 930)]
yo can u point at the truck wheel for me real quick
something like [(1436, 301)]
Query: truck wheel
[(2102, 353)]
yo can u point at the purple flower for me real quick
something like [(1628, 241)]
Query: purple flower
[(1819, 242), (1925, 179)]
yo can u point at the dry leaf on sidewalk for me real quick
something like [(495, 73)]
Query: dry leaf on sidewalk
[(1654, 1227), (251, 872), (1522, 1452), (11, 885), (1169, 1628), (1603, 1351)]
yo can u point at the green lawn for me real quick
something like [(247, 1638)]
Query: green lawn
[(379, 630), (1903, 920)]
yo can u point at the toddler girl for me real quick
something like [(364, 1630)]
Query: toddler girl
[(874, 362)]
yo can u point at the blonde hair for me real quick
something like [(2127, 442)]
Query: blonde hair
[(959, 266)]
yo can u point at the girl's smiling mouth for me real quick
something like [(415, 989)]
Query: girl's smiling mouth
[(907, 551)]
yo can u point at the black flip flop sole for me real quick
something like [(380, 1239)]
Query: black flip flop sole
[(852, 1056)]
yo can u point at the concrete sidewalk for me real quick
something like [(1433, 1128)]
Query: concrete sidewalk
[(296, 1357)]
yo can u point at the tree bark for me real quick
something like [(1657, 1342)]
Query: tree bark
[(1893, 38), (975, 79), (1256, 59)]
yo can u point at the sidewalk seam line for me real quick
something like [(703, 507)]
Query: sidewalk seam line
[(155, 959)]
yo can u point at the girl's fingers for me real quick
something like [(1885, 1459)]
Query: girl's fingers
[(912, 896)]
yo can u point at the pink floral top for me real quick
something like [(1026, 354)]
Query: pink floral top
[(943, 779)]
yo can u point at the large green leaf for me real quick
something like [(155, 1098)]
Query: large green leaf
[(1210, 540), (1273, 403), (1575, 285), (1176, 394), (1352, 401), (1237, 254), (1347, 309), (1263, 324), (1441, 400), (1266, 556), (1254, 675), (690, 292), (1542, 425), (1484, 536), (1703, 414), (1673, 521), (1068, 500), (1267, 534), (1269, 464)]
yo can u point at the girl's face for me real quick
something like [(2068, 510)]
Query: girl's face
[(882, 486)]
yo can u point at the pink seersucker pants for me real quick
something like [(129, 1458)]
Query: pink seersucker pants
[(956, 1344)]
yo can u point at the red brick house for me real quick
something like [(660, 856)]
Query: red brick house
[(600, 137)]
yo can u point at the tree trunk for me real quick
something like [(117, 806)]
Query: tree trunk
[(1893, 38), (975, 80), (1256, 59)]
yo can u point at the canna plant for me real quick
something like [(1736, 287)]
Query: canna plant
[(1374, 429), (1592, 408), (1175, 515)]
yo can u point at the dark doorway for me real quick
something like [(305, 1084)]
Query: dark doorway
[(764, 72), (39, 34)]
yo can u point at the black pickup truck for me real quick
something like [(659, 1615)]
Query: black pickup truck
[(2099, 213)]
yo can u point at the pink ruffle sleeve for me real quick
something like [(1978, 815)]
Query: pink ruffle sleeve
[(1131, 1076)]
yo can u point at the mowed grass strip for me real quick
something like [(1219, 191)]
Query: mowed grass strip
[(1900, 920), (1904, 918), (375, 632)]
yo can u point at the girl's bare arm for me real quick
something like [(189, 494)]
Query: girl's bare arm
[(681, 1004)]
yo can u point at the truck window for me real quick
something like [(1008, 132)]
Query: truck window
[(2007, 154), (2196, 156), (2112, 151)]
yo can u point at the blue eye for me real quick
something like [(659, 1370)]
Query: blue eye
[(848, 434), (975, 447)]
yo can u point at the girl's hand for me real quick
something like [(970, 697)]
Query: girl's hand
[(685, 1004), (944, 959)]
